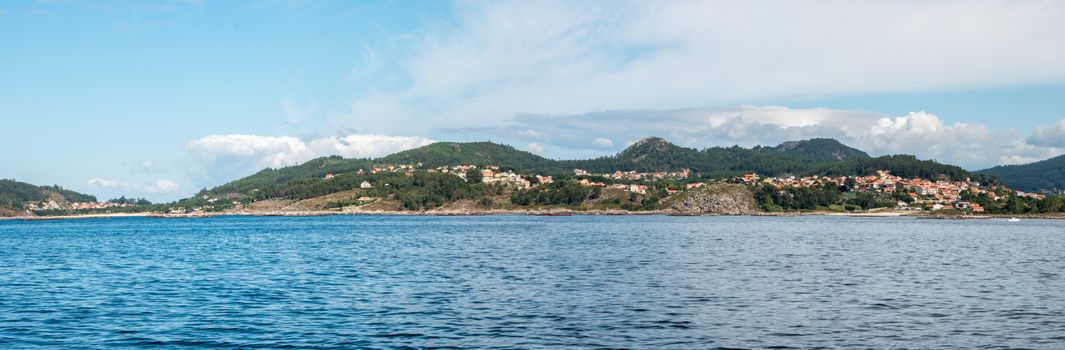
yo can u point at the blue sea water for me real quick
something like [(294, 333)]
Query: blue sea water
[(648, 282)]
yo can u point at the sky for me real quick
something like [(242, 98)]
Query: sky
[(159, 99)]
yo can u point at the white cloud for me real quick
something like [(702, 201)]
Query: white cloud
[(562, 57), (263, 151), (105, 183), (114, 188), (364, 146), (604, 142), (1052, 135), (226, 157), (535, 148), (162, 186)]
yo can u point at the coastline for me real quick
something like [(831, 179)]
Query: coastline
[(534, 212)]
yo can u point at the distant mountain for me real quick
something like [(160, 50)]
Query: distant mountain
[(14, 195), (648, 154), (903, 165), (653, 147), (1046, 175), (312, 169), (657, 154), (820, 150), (806, 157), (476, 153)]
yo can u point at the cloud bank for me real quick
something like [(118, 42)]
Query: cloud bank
[(501, 58), (110, 188), (226, 157), (1052, 135), (971, 145)]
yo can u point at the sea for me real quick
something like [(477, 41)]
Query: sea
[(532, 282)]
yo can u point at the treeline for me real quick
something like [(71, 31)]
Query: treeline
[(563, 192), (313, 169), (906, 166), (15, 194), (1047, 175), (130, 201), (810, 157), (772, 199), (719, 162), (475, 153), (1016, 204), (421, 190)]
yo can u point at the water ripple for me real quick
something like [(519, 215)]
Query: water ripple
[(516, 282)]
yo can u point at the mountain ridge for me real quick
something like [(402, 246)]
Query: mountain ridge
[(1045, 175), (650, 154), (14, 195)]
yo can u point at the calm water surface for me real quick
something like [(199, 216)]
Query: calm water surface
[(532, 282)]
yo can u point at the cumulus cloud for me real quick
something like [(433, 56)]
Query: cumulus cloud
[(920, 133), (109, 188), (363, 146), (1052, 135), (265, 151), (561, 57), (162, 186), (604, 142), (535, 148), (105, 183), (224, 157)]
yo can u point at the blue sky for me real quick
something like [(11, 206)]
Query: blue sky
[(160, 99)]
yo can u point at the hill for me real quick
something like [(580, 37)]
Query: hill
[(902, 165), (819, 150), (476, 153), (657, 154), (806, 157), (312, 169), (648, 154), (433, 155), (1046, 175), (15, 195)]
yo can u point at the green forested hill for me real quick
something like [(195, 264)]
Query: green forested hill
[(649, 154), (656, 154), (312, 169), (14, 195), (902, 165), (476, 153), (807, 157), (1047, 175), (817, 150), (275, 181)]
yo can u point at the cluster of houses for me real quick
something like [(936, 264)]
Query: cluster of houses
[(1032, 195), (496, 175), (53, 205), (631, 176), (638, 176), (489, 174), (928, 194)]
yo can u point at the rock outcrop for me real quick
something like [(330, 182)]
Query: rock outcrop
[(719, 198)]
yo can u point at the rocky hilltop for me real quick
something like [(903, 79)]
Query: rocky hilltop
[(715, 198)]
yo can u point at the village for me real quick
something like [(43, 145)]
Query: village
[(495, 175), (53, 205), (924, 194)]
